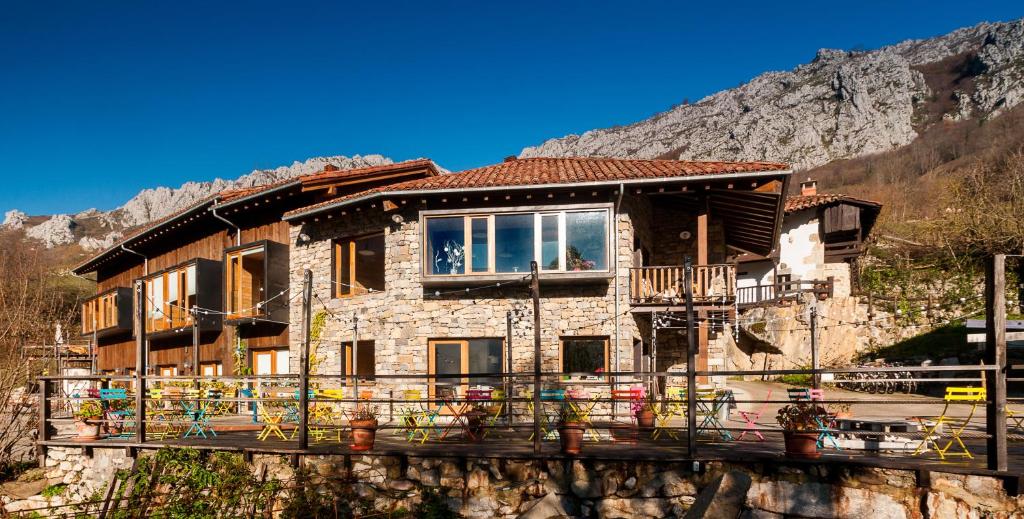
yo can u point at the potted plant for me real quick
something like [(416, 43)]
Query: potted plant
[(570, 430), (87, 418), (645, 413), (364, 428), (799, 422)]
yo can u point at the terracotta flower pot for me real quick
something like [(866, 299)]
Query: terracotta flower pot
[(645, 418), (87, 431), (363, 434), (571, 435), (801, 444)]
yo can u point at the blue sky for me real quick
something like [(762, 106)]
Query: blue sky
[(101, 99)]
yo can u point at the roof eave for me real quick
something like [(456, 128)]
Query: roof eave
[(603, 183), (293, 183), (84, 267)]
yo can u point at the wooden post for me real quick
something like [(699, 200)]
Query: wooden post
[(535, 294), (140, 361), (355, 356), (815, 377), (307, 304), (691, 361), (995, 355), (44, 419), (508, 368)]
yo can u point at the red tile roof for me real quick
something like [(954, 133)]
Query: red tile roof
[(801, 202), (347, 174), (558, 171)]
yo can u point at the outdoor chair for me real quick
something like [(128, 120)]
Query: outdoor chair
[(497, 407), (580, 402), (936, 428), (709, 404), (547, 422), (271, 419), (751, 418), (419, 418), (119, 418), (635, 398), (160, 421), (673, 405), (1016, 417)]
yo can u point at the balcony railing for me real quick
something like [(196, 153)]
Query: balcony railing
[(784, 292), (712, 284)]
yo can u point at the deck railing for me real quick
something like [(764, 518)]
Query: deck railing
[(238, 410), (786, 291), (712, 284)]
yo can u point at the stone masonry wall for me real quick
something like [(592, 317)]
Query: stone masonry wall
[(528, 488), (402, 318)]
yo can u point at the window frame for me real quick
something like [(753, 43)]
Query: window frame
[(275, 366), (538, 213), (168, 318), (346, 359), (463, 382), (229, 286), (336, 270), (585, 378)]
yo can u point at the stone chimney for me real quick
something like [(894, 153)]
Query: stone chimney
[(331, 167), (809, 187)]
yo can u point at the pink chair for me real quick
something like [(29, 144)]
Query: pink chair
[(751, 417)]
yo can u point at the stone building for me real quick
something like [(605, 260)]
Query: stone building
[(822, 236), (424, 277)]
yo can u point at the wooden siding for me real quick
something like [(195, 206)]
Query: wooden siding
[(118, 352)]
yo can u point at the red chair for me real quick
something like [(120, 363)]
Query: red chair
[(751, 417)]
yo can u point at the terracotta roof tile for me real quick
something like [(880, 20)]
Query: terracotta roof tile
[(555, 171), (369, 170), (801, 202)]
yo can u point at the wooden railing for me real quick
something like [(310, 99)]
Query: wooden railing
[(664, 285), (786, 291)]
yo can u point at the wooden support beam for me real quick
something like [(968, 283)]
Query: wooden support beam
[(995, 355), (702, 237)]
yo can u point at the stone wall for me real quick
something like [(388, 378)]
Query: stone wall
[(530, 488), (405, 316)]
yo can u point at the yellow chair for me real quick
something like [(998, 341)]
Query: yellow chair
[(936, 428), (271, 419), (675, 405)]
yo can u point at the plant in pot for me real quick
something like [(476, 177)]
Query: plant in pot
[(570, 430), (646, 411), (799, 422), (364, 428), (87, 420)]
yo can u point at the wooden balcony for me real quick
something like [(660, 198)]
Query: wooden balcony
[(108, 313), (713, 285)]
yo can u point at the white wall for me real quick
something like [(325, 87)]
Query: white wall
[(801, 252)]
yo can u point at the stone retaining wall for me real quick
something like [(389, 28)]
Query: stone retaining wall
[(508, 488)]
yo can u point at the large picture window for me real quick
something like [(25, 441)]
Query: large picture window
[(585, 355), (359, 265), (506, 242)]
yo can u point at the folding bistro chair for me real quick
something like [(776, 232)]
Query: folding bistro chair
[(495, 411), (333, 411), (547, 425), (674, 405), (579, 401), (1016, 417), (935, 429), (121, 418), (271, 419), (751, 418), (635, 398)]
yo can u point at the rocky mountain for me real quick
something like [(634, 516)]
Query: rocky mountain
[(843, 104), (93, 229)]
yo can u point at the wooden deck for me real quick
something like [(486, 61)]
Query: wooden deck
[(514, 445)]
